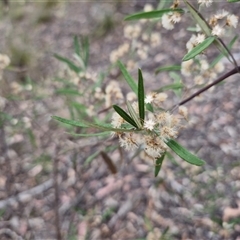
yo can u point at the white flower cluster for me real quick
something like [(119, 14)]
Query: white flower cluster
[(119, 52), (221, 20), (171, 18), (157, 129), (201, 69), (207, 3), (4, 61), (194, 41), (113, 93), (137, 40)]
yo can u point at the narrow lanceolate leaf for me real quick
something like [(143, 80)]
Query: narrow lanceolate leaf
[(141, 96), (158, 165), (85, 47), (168, 68), (151, 14), (90, 134), (184, 153), (70, 64), (109, 162), (67, 91), (132, 84), (149, 107), (70, 122), (174, 86), (76, 45), (91, 158), (134, 115), (207, 30), (231, 1), (105, 127), (199, 19), (125, 116), (221, 55), (199, 48)]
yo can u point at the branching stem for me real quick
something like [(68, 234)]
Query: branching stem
[(220, 79)]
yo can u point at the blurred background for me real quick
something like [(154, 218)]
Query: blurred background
[(58, 58)]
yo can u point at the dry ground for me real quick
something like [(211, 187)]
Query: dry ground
[(48, 191)]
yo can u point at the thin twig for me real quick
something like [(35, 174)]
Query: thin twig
[(220, 79), (229, 52), (56, 188), (4, 152)]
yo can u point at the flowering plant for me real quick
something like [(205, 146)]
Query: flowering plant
[(146, 125)]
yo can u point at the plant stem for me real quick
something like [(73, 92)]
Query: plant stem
[(220, 79)]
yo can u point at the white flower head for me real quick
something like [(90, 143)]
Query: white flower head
[(219, 67), (200, 38), (155, 97), (168, 132), (204, 65), (154, 146), (199, 80), (155, 39), (166, 22), (4, 61), (117, 120), (232, 20), (221, 14), (131, 96), (207, 3), (186, 68), (169, 19), (182, 110), (132, 31), (128, 141), (194, 41), (149, 98), (148, 7), (149, 124), (218, 31), (161, 97)]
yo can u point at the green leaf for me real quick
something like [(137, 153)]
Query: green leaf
[(168, 68), (151, 14), (70, 122), (90, 134), (106, 127), (199, 48), (221, 55), (174, 86), (192, 29), (158, 165), (184, 153), (141, 96), (132, 84), (171, 158), (231, 1), (76, 45), (70, 64), (207, 30), (67, 91), (91, 157), (177, 80), (134, 115), (149, 107), (199, 19), (85, 46), (125, 116)]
